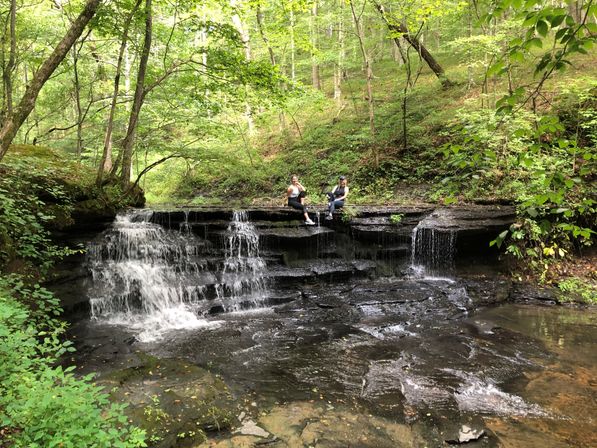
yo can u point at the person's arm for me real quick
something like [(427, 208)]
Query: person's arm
[(300, 187), (288, 192)]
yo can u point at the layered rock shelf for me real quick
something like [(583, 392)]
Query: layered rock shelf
[(390, 227), (365, 241)]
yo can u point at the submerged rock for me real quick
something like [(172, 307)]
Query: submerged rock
[(467, 434), (174, 401)]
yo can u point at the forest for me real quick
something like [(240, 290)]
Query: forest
[(108, 104)]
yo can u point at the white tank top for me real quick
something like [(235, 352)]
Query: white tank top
[(295, 191)]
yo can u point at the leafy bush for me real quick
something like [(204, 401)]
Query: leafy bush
[(538, 163), (23, 217), (577, 288), (42, 404)]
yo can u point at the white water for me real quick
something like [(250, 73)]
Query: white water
[(242, 281), (147, 278), (432, 252), (153, 280)]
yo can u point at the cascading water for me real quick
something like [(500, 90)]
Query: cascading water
[(243, 283), (146, 277), (433, 246)]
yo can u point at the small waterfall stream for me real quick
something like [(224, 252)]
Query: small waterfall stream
[(394, 343), (243, 283), (433, 247)]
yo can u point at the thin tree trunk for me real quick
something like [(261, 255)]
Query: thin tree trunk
[(244, 35), (259, 14), (272, 56), (129, 139), (416, 44), (469, 66), (369, 75), (7, 73), (14, 121), (292, 47), (315, 78), (338, 72), (204, 61), (78, 109), (105, 164)]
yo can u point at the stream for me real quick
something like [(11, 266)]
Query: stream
[(322, 342)]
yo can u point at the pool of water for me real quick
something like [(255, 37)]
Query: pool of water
[(418, 356)]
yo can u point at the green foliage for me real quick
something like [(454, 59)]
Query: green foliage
[(396, 218), (575, 288), (349, 213), (24, 217), (543, 163), (542, 25), (42, 404)]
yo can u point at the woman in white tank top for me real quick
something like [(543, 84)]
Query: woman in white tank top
[(296, 198)]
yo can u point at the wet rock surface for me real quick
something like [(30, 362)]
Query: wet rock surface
[(407, 363), (473, 223)]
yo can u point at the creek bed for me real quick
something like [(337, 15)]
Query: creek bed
[(322, 348)]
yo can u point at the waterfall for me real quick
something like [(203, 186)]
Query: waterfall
[(153, 280), (243, 284), (432, 248), (146, 277)]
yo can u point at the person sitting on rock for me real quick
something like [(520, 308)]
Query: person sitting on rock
[(296, 197), (337, 197)]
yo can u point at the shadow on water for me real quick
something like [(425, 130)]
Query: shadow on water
[(341, 357)]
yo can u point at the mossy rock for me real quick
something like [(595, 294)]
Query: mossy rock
[(177, 403)]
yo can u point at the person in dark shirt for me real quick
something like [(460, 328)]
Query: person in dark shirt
[(337, 197)]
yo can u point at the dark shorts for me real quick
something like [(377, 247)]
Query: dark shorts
[(296, 203)]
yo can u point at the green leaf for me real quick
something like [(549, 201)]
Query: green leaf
[(495, 68), (557, 20), (561, 33), (570, 20), (516, 56), (531, 19), (542, 28)]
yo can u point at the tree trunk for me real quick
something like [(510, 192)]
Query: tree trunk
[(292, 47), (105, 164), (244, 35), (129, 139), (78, 109), (315, 78), (272, 57), (13, 122), (338, 72), (270, 50), (369, 75), (8, 69), (418, 46)]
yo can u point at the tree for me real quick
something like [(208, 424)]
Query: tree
[(368, 72), (8, 68), (105, 164), (13, 122), (401, 30), (139, 98)]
